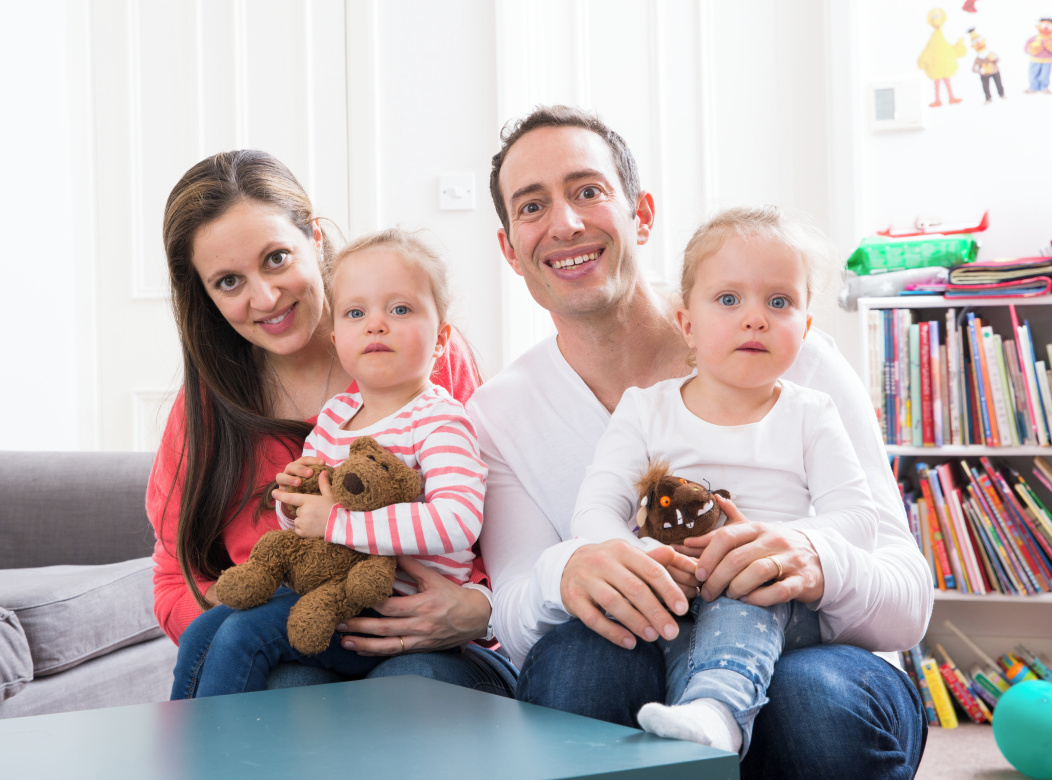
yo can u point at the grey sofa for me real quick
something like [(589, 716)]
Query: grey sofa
[(77, 629)]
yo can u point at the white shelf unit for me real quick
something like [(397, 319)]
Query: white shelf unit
[(995, 622)]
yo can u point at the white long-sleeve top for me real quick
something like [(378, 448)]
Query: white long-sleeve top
[(538, 426), (433, 435), (795, 466)]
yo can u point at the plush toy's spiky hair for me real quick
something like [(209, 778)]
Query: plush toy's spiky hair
[(655, 472)]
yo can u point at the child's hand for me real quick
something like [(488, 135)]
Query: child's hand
[(312, 512), (680, 567), (297, 471)]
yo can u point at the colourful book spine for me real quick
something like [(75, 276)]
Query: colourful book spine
[(924, 356), (904, 320), (939, 694), (949, 535), (991, 506), (980, 385), (915, 386), (946, 580), (936, 383), (911, 659), (953, 369), (994, 386), (959, 690)]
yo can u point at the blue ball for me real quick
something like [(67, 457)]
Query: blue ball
[(1023, 728)]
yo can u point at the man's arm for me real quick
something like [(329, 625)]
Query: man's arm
[(536, 586), (880, 600)]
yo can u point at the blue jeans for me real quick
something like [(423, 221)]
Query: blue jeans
[(834, 710), (230, 651), (727, 651)]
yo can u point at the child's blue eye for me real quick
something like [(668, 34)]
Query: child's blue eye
[(779, 302), (355, 314), (401, 310), (728, 299)]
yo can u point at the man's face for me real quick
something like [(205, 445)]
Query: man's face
[(572, 233)]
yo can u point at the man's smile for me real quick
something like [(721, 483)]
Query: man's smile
[(569, 262)]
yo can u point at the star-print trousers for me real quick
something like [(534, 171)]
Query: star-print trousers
[(726, 650)]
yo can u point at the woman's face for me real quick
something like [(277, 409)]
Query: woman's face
[(263, 275)]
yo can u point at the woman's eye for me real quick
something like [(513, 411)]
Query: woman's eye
[(401, 310), (728, 299), (779, 302), (355, 314), (277, 259), (227, 283)]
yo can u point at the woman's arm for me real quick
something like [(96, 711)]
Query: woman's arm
[(174, 604)]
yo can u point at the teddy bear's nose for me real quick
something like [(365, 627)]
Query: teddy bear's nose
[(353, 483)]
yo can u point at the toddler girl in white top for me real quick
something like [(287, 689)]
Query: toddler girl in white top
[(780, 449)]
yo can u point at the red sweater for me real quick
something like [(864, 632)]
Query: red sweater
[(173, 604)]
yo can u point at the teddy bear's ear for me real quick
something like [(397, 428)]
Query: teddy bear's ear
[(641, 516), (722, 492)]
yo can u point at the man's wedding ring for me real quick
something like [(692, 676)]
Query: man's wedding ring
[(777, 563), (402, 641)]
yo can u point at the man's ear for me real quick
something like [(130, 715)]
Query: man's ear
[(644, 217), (444, 332), (683, 320), (508, 251)]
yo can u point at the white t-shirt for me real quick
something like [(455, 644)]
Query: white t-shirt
[(794, 466), (538, 425)]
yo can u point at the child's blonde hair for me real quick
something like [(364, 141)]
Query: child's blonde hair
[(766, 222), (411, 247)]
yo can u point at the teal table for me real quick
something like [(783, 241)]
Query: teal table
[(398, 728)]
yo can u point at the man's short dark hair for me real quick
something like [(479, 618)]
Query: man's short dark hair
[(563, 116)]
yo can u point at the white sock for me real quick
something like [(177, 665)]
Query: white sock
[(705, 721)]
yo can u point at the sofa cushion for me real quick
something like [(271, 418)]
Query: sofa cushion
[(72, 613), (16, 663)]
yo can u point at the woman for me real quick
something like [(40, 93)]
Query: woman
[(245, 255)]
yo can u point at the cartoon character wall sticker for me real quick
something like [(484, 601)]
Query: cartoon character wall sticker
[(1039, 47), (986, 65), (939, 58)]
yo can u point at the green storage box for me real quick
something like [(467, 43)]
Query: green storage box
[(879, 255)]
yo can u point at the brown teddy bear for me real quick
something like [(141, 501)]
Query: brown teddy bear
[(334, 582), (672, 508)]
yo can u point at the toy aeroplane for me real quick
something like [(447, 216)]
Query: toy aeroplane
[(939, 229)]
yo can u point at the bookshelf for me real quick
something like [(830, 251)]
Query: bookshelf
[(996, 622)]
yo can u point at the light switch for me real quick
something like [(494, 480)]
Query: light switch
[(456, 191)]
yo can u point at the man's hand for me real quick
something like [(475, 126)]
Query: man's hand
[(618, 579), (441, 615), (312, 512), (736, 560)]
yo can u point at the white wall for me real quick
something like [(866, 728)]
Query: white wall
[(369, 102)]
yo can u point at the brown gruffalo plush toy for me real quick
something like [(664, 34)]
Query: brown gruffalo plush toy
[(672, 508), (334, 582)]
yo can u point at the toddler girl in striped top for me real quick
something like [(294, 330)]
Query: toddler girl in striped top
[(389, 295)]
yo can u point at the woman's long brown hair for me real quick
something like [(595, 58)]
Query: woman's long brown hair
[(224, 392)]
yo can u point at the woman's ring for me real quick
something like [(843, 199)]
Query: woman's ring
[(777, 563), (402, 641)]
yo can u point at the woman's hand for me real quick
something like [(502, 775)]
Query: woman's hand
[(681, 567), (741, 559), (442, 615)]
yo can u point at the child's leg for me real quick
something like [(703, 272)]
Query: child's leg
[(250, 643), (718, 681)]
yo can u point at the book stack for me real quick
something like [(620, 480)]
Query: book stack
[(1023, 276), (982, 529), (958, 383), (950, 694)]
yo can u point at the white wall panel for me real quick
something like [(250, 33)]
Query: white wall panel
[(174, 82)]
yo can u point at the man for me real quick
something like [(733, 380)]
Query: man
[(572, 212)]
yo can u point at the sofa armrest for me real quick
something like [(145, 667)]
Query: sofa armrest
[(73, 508)]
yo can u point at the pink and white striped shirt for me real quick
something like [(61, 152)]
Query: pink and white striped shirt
[(432, 434)]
